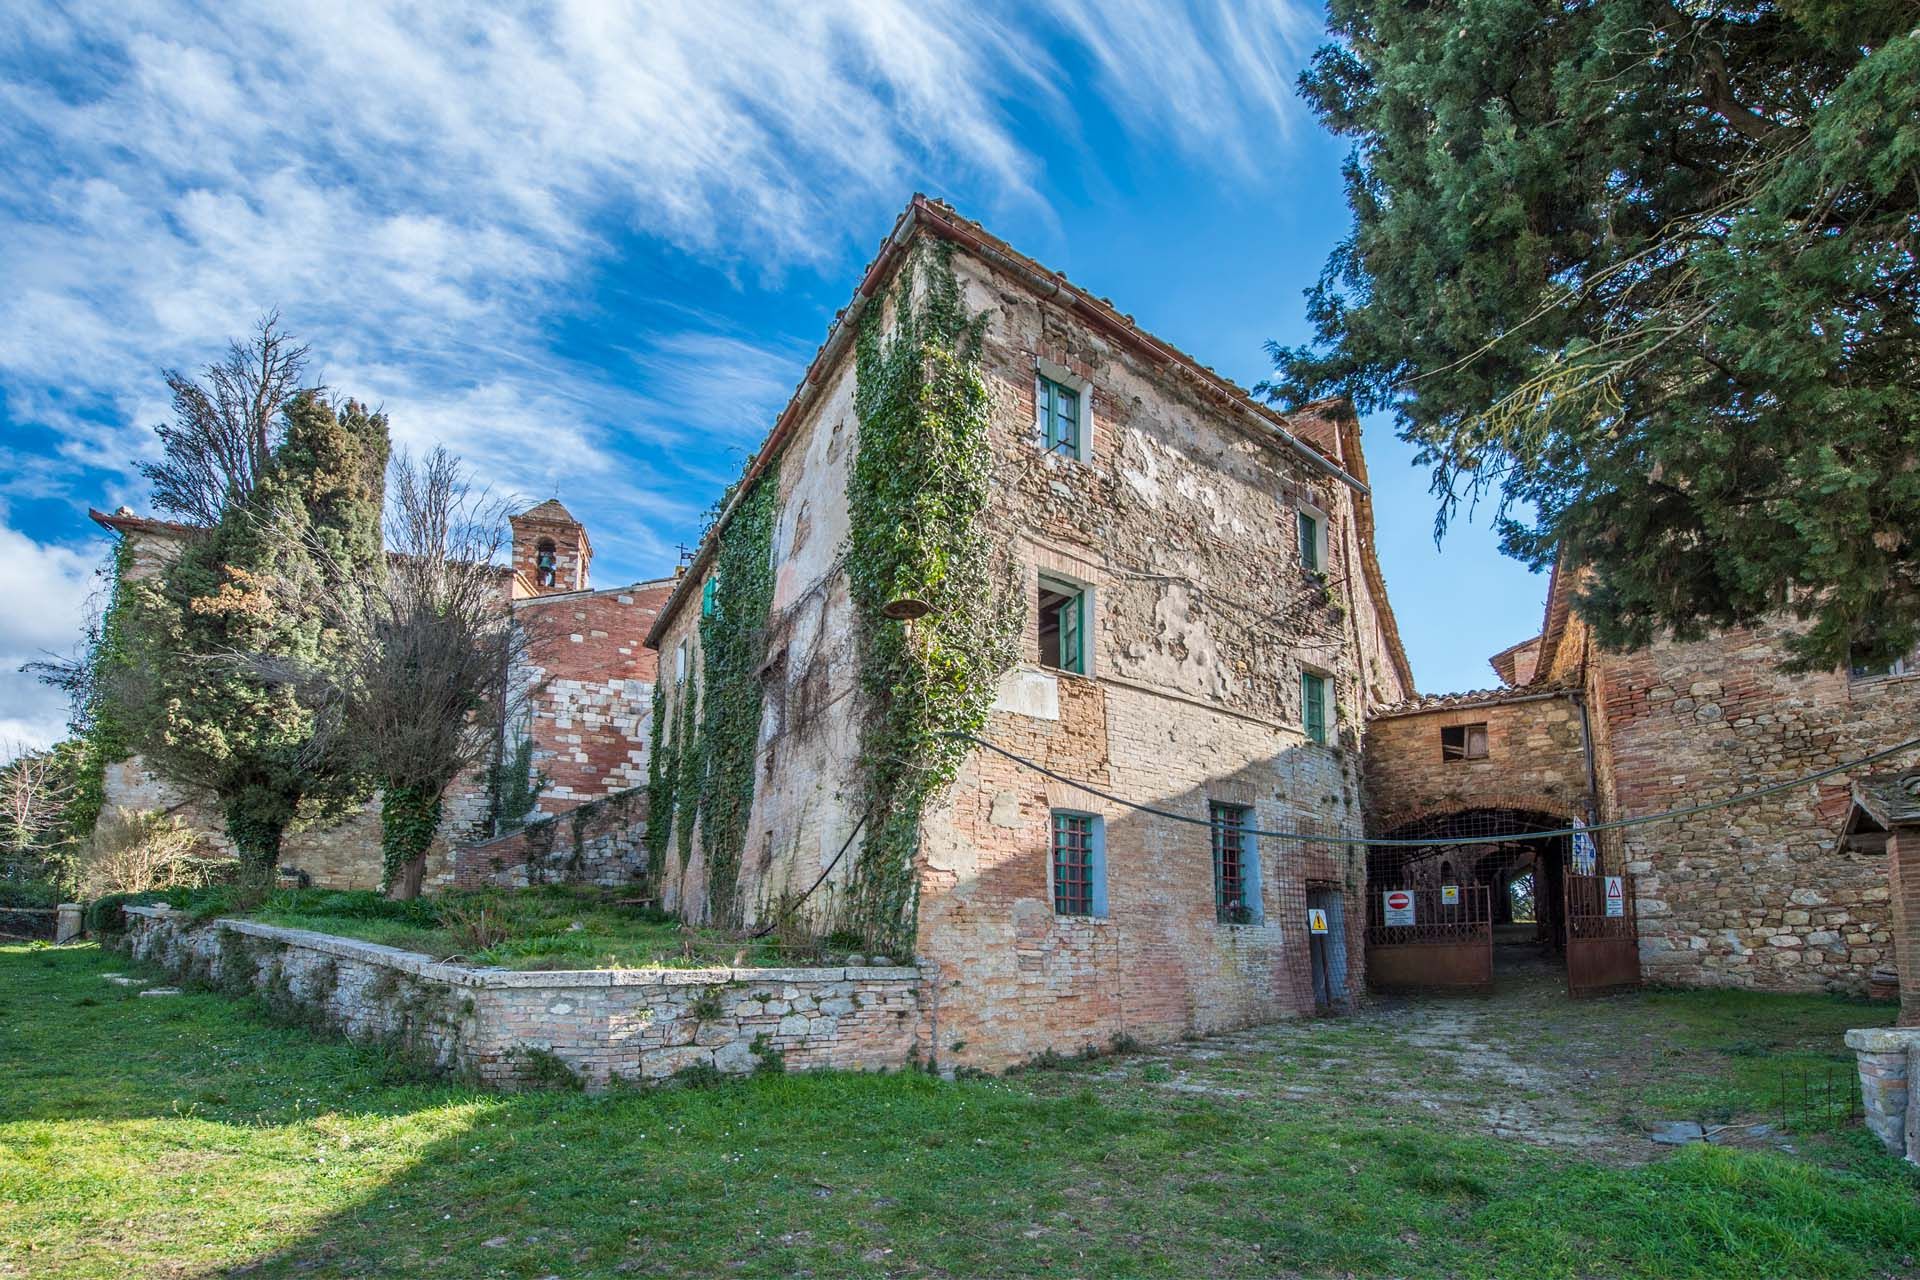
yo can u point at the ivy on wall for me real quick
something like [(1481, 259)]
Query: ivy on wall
[(733, 643), (663, 774), (918, 502)]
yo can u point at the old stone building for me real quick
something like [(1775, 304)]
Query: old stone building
[(1205, 631), (584, 731), (1761, 894)]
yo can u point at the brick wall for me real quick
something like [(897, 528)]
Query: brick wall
[(1762, 894), (591, 712), (602, 842), (602, 1025), (1534, 761)]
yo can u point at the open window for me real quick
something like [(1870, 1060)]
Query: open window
[(1063, 626), (1861, 669), (1463, 742)]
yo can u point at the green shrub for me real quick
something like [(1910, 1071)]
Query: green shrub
[(104, 914)]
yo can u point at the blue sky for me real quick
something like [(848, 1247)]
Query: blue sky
[(592, 252)]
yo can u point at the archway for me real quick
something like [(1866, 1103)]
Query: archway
[(1449, 915)]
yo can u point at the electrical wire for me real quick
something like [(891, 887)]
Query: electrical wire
[(824, 872), (1379, 842)]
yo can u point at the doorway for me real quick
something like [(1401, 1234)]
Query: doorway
[(1328, 951)]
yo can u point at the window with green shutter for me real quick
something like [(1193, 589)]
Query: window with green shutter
[(1063, 626), (1058, 406), (1313, 706), (707, 593), (1310, 542)]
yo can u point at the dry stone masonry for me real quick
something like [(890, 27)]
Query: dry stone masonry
[(512, 1029)]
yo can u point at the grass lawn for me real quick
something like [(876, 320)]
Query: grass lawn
[(546, 927), (187, 1136)]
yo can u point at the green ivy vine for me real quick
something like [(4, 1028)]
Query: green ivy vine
[(733, 644), (663, 775), (917, 500)]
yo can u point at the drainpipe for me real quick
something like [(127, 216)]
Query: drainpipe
[(1579, 699)]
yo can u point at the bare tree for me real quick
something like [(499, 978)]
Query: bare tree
[(34, 792), (423, 669), (225, 425)]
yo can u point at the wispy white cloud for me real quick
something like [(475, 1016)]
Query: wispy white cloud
[(47, 588), (425, 189)]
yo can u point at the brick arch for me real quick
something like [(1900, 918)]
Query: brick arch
[(1537, 801)]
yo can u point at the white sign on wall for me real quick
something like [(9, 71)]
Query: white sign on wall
[(1449, 895), (1616, 896), (1399, 904)]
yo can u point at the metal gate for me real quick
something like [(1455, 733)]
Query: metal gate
[(1603, 934), (1449, 944)]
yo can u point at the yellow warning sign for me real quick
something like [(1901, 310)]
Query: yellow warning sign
[(1449, 895), (1316, 920)]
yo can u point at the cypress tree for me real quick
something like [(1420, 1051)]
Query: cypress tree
[(1646, 269), (198, 696)]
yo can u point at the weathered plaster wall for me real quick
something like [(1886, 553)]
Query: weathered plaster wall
[(343, 856), (602, 1025), (809, 732), (1761, 894), (1182, 522)]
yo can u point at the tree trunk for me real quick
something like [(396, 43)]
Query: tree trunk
[(256, 840), (409, 816)]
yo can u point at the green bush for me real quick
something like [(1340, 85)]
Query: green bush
[(104, 914)]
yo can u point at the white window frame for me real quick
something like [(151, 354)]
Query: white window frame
[(1043, 368), (1329, 705), (1051, 580), (1319, 518), (681, 661)]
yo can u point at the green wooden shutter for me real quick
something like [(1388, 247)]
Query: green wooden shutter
[(1072, 628), (1309, 542), (1313, 703)]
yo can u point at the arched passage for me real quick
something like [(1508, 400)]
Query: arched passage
[(1438, 914)]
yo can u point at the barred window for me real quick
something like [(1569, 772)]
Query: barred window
[(1078, 876), (1232, 863)]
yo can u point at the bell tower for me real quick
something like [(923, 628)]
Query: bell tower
[(550, 551)]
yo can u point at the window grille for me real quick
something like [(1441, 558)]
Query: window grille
[(1230, 858), (1073, 864)]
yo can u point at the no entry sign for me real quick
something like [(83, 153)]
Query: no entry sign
[(1616, 896), (1399, 904)]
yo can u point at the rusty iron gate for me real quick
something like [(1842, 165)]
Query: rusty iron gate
[(1603, 933), (1448, 945)]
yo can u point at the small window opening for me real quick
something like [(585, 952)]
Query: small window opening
[(1862, 670), (546, 564), (1310, 557), (1063, 626), (1058, 406), (1314, 716), (1076, 865), (1463, 742), (1232, 854), (680, 663)]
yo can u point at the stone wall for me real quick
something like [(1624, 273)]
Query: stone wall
[(600, 842), (1888, 1060), (1534, 759), (1763, 894), (515, 1029), (345, 855)]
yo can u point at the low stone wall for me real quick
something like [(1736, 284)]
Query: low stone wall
[(1889, 1061), (602, 842), (513, 1029), (28, 922)]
